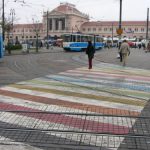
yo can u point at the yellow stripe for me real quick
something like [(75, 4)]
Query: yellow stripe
[(81, 95)]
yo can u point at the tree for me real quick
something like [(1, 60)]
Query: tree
[(36, 28)]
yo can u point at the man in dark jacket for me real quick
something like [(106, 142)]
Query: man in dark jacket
[(90, 52)]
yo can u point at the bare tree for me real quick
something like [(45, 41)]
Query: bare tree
[(37, 28)]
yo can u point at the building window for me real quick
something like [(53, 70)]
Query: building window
[(50, 24), (136, 30), (56, 24), (94, 29), (22, 37), (142, 29), (149, 29), (26, 37), (83, 29), (100, 29), (35, 37), (63, 23), (110, 29), (105, 29), (30, 37), (89, 29)]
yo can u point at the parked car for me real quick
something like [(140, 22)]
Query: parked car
[(131, 44)]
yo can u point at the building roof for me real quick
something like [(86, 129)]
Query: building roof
[(115, 23), (68, 8)]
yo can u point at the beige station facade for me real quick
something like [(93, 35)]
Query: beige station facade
[(66, 18)]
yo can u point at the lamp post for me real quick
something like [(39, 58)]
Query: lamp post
[(12, 14), (3, 21), (147, 25), (120, 17), (47, 46), (112, 33)]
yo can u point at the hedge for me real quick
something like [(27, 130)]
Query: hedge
[(13, 47)]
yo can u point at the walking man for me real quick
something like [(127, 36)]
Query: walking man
[(90, 52), (125, 51)]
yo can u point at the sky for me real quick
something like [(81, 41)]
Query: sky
[(98, 10)]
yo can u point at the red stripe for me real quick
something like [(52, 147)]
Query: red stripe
[(68, 120)]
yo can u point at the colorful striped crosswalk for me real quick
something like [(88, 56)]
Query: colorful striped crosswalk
[(114, 92)]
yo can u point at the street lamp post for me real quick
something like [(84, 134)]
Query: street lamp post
[(120, 17), (3, 21), (147, 25), (47, 46), (12, 14), (112, 33)]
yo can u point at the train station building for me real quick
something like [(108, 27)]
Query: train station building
[(66, 18)]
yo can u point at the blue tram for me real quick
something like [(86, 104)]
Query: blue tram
[(78, 42)]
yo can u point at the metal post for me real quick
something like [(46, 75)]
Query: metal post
[(47, 46), (120, 17), (147, 24), (94, 42), (112, 33), (12, 13), (37, 42), (3, 20)]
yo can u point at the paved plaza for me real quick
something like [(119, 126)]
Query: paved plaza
[(71, 107)]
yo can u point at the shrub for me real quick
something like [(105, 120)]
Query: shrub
[(13, 47)]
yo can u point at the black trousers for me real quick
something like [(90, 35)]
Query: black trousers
[(120, 56)]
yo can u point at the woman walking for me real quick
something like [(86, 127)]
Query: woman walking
[(90, 52)]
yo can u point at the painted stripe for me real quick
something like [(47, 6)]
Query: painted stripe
[(72, 89), (91, 108), (105, 78), (116, 83), (75, 99), (92, 83), (121, 71), (81, 95), (93, 126), (121, 121), (119, 92), (113, 75), (35, 123)]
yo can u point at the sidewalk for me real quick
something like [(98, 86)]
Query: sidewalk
[(137, 59), (106, 107), (33, 51)]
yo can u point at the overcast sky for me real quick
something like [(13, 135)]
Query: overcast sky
[(99, 10)]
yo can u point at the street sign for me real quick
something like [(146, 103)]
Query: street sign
[(119, 31)]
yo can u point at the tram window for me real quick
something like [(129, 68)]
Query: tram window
[(90, 38), (84, 38), (73, 38), (66, 38), (97, 39), (78, 38)]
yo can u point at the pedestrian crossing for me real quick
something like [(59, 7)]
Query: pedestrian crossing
[(103, 101)]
